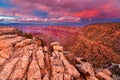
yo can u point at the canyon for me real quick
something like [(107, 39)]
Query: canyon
[(60, 53)]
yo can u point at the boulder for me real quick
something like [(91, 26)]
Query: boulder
[(45, 49), (86, 68), (106, 71), (57, 48), (103, 76), (91, 78), (70, 69), (55, 43)]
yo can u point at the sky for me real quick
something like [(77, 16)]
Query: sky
[(70, 12)]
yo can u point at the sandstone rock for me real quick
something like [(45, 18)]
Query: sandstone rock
[(70, 68), (45, 49), (80, 60), (46, 77), (92, 78), (38, 41), (34, 71), (106, 71), (86, 68), (28, 59), (57, 69), (5, 53), (2, 60), (40, 58), (103, 76), (57, 48), (8, 42), (23, 43), (56, 54), (67, 77), (8, 68), (7, 36), (21, 66), (55, 43)]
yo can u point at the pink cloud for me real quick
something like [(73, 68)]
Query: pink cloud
[(61, 10), (87, 13)]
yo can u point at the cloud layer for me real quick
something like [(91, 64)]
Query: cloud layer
[(61, 10)]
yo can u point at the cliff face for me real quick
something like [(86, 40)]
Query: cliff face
[(22, 58), (29, 59), (99, 43), (64, 35)]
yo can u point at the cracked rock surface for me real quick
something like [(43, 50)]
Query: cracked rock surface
[(25, 59)]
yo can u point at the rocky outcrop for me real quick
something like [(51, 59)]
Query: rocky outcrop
[(96, 41), (103, 76), (22, 58), (30, 59)]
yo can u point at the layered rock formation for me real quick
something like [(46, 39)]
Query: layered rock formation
[(29, 59), (99, 43)]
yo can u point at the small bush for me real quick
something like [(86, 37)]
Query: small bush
[(27, 35)]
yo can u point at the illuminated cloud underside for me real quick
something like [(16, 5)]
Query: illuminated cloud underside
[(58, 10)]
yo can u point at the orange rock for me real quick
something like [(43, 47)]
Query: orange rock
[(67, 77), (34, 71), (23, 43), (40, 57), (21, 66), (57, 48), (2, 60), (55, 43), (5, 53), (8, 68), (106, 71), (103, 76)]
